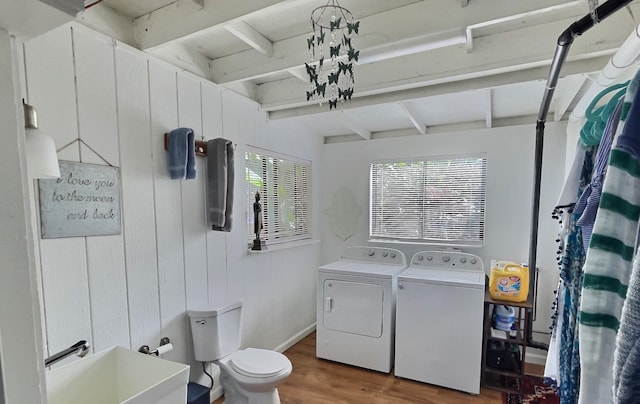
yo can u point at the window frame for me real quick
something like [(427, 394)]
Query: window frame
[(272, 234), (430, 241)]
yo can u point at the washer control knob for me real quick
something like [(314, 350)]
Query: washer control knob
[(371, 253), (393, 255), (473, 261), (420, 257), (446, 258), (384, 254), (463, 260), (429, 258)]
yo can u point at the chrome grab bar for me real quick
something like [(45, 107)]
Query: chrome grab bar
[(80, 348)]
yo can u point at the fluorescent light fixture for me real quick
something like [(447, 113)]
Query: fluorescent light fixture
[(42, 157), (412, 45)]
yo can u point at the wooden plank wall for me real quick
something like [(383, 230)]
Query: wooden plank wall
[(133, 288)]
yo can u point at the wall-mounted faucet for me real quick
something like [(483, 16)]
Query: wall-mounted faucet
[(80, 348)]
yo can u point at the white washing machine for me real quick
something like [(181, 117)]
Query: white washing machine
[(356, 307), (439, 313)]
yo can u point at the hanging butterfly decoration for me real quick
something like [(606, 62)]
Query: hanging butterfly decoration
[(335, 24), (353, 54), (334, 51), (331, 76), (311, 71), (320, 89), (321, 37), (353, 27), (346, 94), (346, 41), (343, 68)]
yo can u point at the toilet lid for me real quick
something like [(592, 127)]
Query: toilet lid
[(255, 362)]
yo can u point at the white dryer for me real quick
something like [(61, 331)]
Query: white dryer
[(356, 307), (439, 314)]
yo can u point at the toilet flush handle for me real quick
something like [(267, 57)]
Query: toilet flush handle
[(328, 304), (201, 322)]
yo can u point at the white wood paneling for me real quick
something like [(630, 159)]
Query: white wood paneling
[(97, 125), (137, 198), (265, 297), (193, 209), (66, 292), (63, 261), (277, 286), (251, 300), (22, 371), (96, 98), (168, 211), (109, 314), (49, 74), (234, 113), (167, 259), (216, 240)]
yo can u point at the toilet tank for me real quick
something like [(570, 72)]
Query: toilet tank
[(215, 331)]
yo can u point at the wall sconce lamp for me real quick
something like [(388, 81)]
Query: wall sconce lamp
[(42, 157)]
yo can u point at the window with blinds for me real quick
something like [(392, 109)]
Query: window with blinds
[(433, 200), (285, 195)]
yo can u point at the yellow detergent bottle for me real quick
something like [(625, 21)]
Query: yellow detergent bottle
[(508, 281)]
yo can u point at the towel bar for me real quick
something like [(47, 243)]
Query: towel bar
[(201, 146)]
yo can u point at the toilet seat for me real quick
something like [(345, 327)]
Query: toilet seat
[(253, 362)]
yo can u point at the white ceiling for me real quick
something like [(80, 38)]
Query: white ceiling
[(487, 65)]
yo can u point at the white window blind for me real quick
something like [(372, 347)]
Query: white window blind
[(436, 200), (284, 185)]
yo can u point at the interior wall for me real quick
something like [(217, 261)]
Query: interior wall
[(133, 288), (509, 153), (21, 367)]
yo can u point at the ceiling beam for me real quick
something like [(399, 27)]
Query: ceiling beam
[(251, 37), (355, 126), (568, 94), (293, 52), (488, 112), (185, 58), (495, 80), (104, 19), (414, 117), (299, 73), (456, 127), (454, 64), (174, 22), (530, 17), (196, 4), (409, 46)]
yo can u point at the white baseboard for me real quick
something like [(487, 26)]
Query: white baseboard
[(215, 393), (296, 338)]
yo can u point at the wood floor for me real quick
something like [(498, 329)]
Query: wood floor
[(318, 381)]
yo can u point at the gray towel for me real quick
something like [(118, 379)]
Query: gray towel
[(220, 177)]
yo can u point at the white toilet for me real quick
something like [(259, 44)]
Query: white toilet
[(248, 376)]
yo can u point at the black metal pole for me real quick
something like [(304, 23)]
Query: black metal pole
[(564, 44)]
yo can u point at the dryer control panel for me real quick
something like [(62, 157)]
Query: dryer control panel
[(447, 260), (379, 255)]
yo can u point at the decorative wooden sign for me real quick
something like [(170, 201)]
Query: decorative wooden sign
[(84, 201)]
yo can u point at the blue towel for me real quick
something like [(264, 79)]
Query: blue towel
[(182, 154)]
